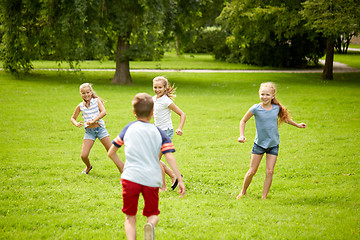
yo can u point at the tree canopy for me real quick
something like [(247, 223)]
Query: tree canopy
[(332, 18), (269, 32), (75, 30)]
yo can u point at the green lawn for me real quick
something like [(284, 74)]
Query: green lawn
[(354, 46), (315, 192), (352, 59), (170, 61)]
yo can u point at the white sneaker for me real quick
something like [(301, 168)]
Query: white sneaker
[(149, 232)]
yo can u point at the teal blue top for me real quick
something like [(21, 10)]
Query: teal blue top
[(267, 133)]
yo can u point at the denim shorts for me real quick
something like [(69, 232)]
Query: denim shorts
[(260, 150), (93, 133), (170, 133)]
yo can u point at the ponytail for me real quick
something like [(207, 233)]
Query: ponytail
[(284, 114)]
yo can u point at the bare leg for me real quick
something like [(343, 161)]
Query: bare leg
[(130, 227), (163, 187), (106, 142), (154, 219), (255, 162), (270, 165), (166, 170), (169, 172), (85, 151), (149, 229)]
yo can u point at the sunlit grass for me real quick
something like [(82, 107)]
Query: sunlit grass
[(351, 59), (170, 61), (315, 193)]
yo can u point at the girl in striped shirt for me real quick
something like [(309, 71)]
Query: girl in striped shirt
[(93, 110)]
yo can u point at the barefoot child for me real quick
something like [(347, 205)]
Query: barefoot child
[(93, 110), (163, 105), (267, 114), (143, 142)]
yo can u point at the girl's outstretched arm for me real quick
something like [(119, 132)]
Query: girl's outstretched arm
[(182, 115), (243, 121), (291, 122), (74, 117)]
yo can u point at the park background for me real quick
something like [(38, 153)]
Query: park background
[(314, 195)]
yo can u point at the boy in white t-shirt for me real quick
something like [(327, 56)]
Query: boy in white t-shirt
[(141, 173)]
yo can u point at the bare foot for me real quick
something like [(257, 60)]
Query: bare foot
[(240, 196)]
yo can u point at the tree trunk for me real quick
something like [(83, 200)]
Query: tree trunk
[(329, 60), (122, 72)]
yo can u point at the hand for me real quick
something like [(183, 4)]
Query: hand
[(89, 123), (301, 125), (181, 187), (242, 139), (179, 132), (79, 124)]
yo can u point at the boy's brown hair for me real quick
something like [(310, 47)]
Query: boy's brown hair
[(143, 105)]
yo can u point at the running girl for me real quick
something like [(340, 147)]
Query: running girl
[(268, 115), (93, 110)]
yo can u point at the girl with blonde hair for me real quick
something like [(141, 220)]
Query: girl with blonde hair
[(268, 115), (163, 106), (93, 110)]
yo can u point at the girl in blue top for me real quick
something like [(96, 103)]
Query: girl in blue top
[(268, 114), (93, 110)]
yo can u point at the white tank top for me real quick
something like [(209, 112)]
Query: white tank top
[(90, 113)]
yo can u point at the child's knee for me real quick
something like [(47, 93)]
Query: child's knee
[(251, 172), (130, 219), (269, 172), (84, 156)]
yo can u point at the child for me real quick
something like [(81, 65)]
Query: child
[(267, 113), (163, 104), (93, 110), (142, 174)]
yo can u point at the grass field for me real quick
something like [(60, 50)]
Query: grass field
[(169, 61), (351, 59), (315, 192)]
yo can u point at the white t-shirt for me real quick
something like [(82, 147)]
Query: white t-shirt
[(143, 143), (162, 112)]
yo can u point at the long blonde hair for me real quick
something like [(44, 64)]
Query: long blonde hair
[(284, 114), (169, 90), (94, 95)]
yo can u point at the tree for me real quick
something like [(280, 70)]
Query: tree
[(73, 30), (343, 41), (332, 18), (269, 32), (132, 23)]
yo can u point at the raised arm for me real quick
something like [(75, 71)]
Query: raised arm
[(113, 156), (182, 115), (243, 121)]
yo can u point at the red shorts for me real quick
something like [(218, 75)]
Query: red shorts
[(131, 193)]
